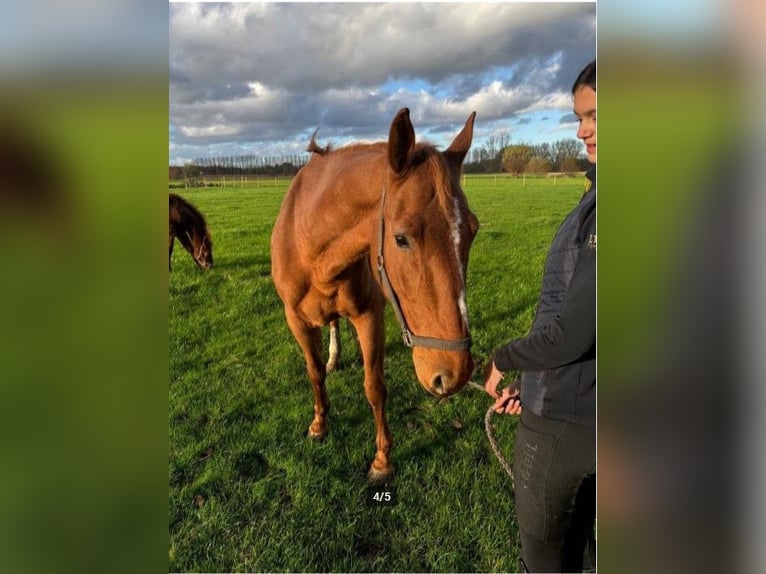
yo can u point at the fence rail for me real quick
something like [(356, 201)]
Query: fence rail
[(273, 180)]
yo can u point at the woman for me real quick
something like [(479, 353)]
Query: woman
[(555, 448)]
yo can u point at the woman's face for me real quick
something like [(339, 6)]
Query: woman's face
[(585, 110)]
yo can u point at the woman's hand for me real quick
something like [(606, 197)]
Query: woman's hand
[(492, 378), (509, 401)]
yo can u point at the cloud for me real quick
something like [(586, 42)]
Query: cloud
[(273, 72)]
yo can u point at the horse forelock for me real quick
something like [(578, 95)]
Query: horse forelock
[(447, 195)]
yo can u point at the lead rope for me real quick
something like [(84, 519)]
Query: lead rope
[(491, 437)]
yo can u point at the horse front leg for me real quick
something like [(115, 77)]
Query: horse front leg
[(370, 328), (310, 341), (170, 252)]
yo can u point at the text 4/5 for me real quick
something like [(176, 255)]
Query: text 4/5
[(381, 497)]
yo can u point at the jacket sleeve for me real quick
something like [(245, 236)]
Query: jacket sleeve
[(569, 336)]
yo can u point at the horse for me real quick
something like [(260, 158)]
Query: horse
[(188, 224), (366, 223)]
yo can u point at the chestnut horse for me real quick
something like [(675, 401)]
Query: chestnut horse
[(370, 222), (188, 225)]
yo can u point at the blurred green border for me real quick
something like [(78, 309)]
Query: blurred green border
[(84, 334)]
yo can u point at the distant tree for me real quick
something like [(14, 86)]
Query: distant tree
[(538, 165), (516, 157), (493, 152), (569, 164), (545, 151), (287, 168), (565, 153), (191, 174), (491, 146)]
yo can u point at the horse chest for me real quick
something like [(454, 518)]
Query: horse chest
[(347, 294)]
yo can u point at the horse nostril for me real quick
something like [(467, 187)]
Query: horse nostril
[(437, 385)]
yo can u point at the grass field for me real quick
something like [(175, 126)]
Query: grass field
[(250, 492)]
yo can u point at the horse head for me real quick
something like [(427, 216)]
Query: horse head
[(426, 231), (203, 249)]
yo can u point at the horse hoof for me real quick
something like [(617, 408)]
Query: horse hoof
[(317, 433), (376, 476)]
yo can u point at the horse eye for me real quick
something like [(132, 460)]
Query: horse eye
[(402, 241)]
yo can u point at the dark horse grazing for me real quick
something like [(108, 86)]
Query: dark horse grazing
[(373, 221), (188, 225)]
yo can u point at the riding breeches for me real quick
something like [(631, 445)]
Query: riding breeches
[(554, 468)]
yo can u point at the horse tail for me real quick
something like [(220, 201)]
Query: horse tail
[(314, 148)]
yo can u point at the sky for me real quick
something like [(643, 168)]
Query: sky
[(259, 78)]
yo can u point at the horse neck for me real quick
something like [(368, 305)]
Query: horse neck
[(355, 235), (352, 232)]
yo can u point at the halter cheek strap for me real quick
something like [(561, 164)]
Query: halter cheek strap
[(197, 256), (410, 339)]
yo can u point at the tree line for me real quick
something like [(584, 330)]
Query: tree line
[(497, 155), (242, 165)]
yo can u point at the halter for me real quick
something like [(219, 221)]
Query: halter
[(197, 256), (410, 339)]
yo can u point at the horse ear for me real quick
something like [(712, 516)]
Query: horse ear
[(401, 140), (458, 149)]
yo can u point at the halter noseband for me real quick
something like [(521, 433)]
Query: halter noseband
[(410, 339)]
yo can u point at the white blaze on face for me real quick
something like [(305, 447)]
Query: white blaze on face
[(456, 240), (463, 309)]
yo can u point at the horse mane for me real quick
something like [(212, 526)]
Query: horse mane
[(436, 164), (423, 153), (183, 205), (315, 148)]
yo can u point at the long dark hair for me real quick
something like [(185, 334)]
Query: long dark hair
[(586, 78)]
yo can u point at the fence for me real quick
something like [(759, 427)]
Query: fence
[(231, 181), (273, 180), (501, 177)]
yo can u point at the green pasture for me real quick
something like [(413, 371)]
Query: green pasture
[(248, 491)]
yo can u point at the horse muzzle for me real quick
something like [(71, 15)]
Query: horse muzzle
[(442, 373)]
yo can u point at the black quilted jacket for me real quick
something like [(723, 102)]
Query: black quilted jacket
[(557, 359)]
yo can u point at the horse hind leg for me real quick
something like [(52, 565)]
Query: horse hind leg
[(334, 346), (310, 341)]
